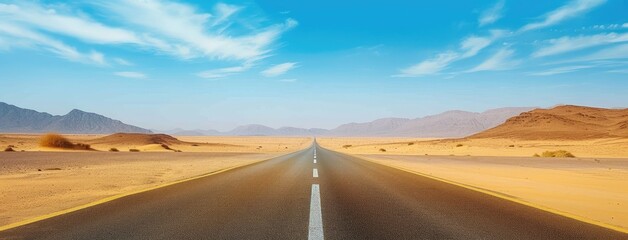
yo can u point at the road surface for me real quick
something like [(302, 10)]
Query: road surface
[(311, 194)]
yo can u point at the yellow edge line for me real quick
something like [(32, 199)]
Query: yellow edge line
[(111, 198), (505, 197)]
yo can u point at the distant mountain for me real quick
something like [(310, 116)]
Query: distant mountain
[(19, 120), (194, 132), (261, 130), (447, 124), (563, 122)]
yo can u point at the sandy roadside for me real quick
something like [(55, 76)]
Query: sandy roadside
[(34, 183), (591, 148), (593, 189)]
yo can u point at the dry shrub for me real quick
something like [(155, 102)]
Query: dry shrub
[(53, 140), (347, 146), (382, 150), (113, 150), (558, 154), (134, 150), (459, 145), (82, 146), (166, 147), (9, 149)]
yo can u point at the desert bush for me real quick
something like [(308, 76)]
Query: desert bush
[(459, 145), (9, 149), (55, 141), (536, 155), (347, 146), (166, 147), (558, 153), (382, 150), (195, 145), (410, 143), (134, 150), (511, 145), (113, 150), (82, 146)]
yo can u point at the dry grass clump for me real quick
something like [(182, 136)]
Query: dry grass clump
[(459, 145), (134, 150), (113, 150), (53, 140), (557, 153), (347, 146), (382, 150), (9, 149)]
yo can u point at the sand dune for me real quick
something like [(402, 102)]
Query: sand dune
[(563, 122)]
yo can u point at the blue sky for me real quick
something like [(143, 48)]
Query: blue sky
[(216, 65)]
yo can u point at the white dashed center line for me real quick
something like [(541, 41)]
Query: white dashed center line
[(315, 173), (316, 215)]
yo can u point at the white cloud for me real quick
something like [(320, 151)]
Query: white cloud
[(560, 70), (21, 37), (180, 29), (469, 47), (501, 60), (48, 20), (492, 14), (572, 9), (615, 52), (625, 25), (122, 61), (169, 27), (279, 69), (223, 12), (430, 66), (97, 57), (137, 75), (223, 72), (568, 44)]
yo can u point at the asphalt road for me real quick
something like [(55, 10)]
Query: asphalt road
[(335, 196)]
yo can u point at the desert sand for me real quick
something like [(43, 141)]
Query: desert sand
[(590, 186), (41, 181), (587, 148)]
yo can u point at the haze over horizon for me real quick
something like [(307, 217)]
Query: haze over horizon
[(220, 64)]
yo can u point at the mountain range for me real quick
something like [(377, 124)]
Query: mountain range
[(447, 124), (563, 122), (19, 120)]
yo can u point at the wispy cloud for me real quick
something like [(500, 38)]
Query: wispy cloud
[(560, 70), (169, 27), (430, 66), (568, 44), (136, 75), (625, 25), (615, 52), (469, 47), (224, 72), (22, 37), (279, 69), (501, 60), (181, 30), (122, 61), (492, 14), (570, 10)]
